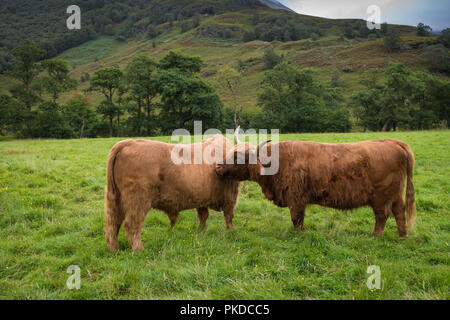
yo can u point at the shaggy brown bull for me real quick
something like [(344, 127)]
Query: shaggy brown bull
[(341, 176), (141, 175)]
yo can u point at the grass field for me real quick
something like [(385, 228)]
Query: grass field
[(51, 217)]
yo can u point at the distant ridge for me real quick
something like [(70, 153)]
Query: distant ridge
[(274, 4)]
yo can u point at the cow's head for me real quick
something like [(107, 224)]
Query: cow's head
[(242, 163)]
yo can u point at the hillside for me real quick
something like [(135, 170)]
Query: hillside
[(351, 57), (45, 22)]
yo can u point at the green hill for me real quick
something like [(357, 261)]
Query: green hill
[(234, 34), (218, 40)]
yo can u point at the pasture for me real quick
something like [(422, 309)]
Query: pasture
[(51, 217)]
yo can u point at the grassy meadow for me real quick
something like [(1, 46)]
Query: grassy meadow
[(51, 217)]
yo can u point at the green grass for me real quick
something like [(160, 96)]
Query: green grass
[(51, 217)]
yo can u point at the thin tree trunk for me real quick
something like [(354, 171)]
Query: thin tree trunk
[(118, 123), (82, 130), (139, 117), (110, 126)]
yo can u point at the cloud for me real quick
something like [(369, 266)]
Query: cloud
[(435, 13)]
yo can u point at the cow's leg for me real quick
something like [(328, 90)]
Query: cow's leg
[(173, 217), (228, 213), (202, 214), (298, 216), (398, 209), (113, 220), (135, 212), (381, 215)]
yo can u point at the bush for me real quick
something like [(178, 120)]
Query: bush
[(437, 58), (444, 38), (392, 41), (271, 58), (423, 30)]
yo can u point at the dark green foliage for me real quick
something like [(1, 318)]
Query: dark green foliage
[(140, 78), (293, 100), (271, 58), (437, 58), (348, 31), (26, 70), (175, 60), (57, 79), (185, 26), (10, 114), (45, 21), (384, 29), (50, 123), (80, 118), (108, 82), (152, 32), (270, 28), (423, 30), (196, 21), (392, 41), (184, 96), (405, 99), (444, 37)]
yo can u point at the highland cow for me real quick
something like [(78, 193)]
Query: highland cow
[(342, 176), (141, 175)]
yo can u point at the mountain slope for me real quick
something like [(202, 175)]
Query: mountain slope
[(276, 5)]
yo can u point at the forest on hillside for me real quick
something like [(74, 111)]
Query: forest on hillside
[(149, 97)]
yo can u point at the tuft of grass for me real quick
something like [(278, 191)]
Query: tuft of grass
[(51, 217)]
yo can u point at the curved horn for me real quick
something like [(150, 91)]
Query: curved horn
[(261, 145), (236, 135)]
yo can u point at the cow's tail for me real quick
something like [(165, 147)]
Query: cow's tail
[(410, 200), (113, 208)]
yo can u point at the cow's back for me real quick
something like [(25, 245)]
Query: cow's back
[(343, 176), (147, 166)]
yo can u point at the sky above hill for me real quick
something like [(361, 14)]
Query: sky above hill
[(435, 13)]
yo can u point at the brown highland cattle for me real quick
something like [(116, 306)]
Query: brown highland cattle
[(342, 176), (141, 175)]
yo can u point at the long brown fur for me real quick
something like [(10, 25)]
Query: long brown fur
[(141, 175), (341, 176)]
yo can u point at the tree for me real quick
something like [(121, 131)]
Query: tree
[(107, 81), (437, 58), (184, 96), (294, 100), (367, 104), (11, 114), (140, 76), (396, 95), (196, 20), (444, 37), (392, 41), (80, 117), (431, 98), (183, 63), (423, 30), (271, 58), (50, 123), (230, 79), (109, 110), (57, 79), (348, 31), (384, 29), (26, 70)]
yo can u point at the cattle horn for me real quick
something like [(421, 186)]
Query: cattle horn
[(261, 145), (236, 135)]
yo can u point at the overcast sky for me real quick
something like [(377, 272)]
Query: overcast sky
[(435, 13)]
